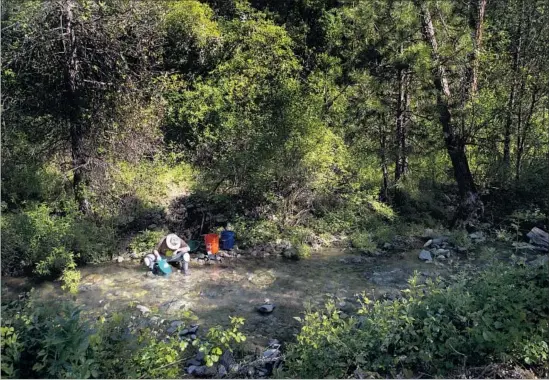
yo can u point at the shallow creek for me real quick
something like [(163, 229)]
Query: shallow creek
[(235, 287)]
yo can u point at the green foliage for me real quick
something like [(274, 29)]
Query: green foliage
[(146, 241), (44, 341), (46, 241), (303, 250), (252, 232), (71, 278), (11, 349), (460, 238), (219, 339), (499, 315), (363, 241)]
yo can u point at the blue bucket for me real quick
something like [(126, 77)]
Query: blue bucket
[(227, 240)]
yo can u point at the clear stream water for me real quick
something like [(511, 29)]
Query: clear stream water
[(236, 287)]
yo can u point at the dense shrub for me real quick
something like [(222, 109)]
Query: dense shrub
[(500, 315), (44, 341), (146, 241), (45, 242)]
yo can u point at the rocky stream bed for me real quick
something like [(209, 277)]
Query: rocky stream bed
[(238, 284)]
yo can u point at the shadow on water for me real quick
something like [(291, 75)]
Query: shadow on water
[(236, 287)]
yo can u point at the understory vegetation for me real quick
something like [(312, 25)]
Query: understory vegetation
[(499, 316), (317, 123), (40, 340)]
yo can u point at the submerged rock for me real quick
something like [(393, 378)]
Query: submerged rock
[(266, 309), (388, 277)]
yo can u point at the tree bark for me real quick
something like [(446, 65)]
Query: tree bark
[(403, 103), (71, 73), (455, 143), (521, 137), (512, 94), (384, 196)]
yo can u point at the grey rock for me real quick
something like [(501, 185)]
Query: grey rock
[(211, 371), (192, 369), (134, 256), (200, 356), (251, 372), (151, 226), (200, 370), (172, 307), (201, 256), (143, 309), (476, 235), (441, 251), (194, 362), (428, 233), (439, 240), (176, 323), (221, 371), (227, 359), (290, 253), (271, 353), (193, 329), (428, 243), (387, 277), (119, 259), (540, 261), (441, 257), (425, 255), (266, 309), (171, 330), (193, 336), (274, 343)]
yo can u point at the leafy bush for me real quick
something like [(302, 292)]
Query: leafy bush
[(40, 340), (303, 250), (146, 241), (500, 315), (460, 238), (363, 241), (252, 232), (44, 241), (71, 278)]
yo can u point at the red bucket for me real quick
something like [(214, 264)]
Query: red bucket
[(212, 243)]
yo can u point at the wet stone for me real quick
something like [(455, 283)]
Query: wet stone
[(266, 309), (425, 255)]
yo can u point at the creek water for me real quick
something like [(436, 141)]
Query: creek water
[(236, 287)]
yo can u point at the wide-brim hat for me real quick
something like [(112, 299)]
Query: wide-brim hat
[(173, 241)]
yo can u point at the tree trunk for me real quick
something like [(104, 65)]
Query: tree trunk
[(383, 156), (512, 94), (521, 138), (470, 203), (403, 103), (76, 129)]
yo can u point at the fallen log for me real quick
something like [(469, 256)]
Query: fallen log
[(539, 237)]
